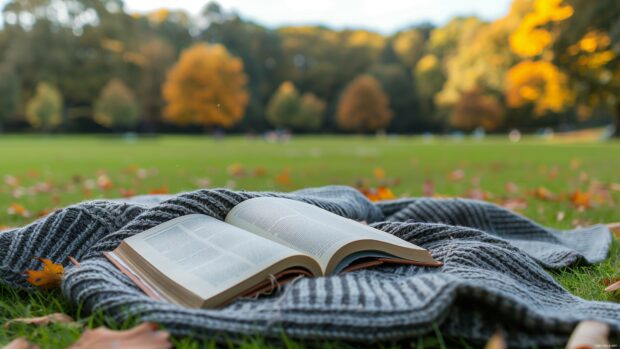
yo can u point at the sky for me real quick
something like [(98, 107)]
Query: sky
[(385, 16)]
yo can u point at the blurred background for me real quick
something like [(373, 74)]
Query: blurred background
[(414, 67)]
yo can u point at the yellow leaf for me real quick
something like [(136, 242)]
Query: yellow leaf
[(496, 342), (49, 277)]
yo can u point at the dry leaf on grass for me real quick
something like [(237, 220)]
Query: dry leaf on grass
[(49, 277), (614, 228), (42, 320), (144, 336), (496, 342), (613, 287), (589, 335), (20, 343)]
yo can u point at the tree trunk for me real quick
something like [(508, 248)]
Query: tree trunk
[(616, 116)]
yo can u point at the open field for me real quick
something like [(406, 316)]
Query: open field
[(560, 185)]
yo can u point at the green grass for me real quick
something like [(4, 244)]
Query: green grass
[(43, 173)]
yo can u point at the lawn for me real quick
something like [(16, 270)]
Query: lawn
[(557, 184)]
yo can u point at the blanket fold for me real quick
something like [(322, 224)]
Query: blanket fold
[(492, 279)]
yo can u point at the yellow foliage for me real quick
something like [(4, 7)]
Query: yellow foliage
[(529, 39), (427, 63), (364, 38), (206, 87), (159, 16), (540, 83)]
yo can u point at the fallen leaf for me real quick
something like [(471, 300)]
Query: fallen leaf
[(379, 173), (589, 335), (456, 175), (144, 336), (259, 171), (5, 227), (49, 277), (581, 199), (59, 318), (515, 204), (560, 216), (11, 181), (511, 187), (126, 193), (544, 194), (104, 182), (496, 342), (614, 228), (613, 287), (20, 343), (18, 210), (614, 186), (385, 193), (428, 188), (236, 170), (159, 190), (284, 177)]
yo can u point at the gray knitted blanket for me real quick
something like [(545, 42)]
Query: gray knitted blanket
[(493, 277)]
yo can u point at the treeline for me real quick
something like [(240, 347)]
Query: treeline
[(89, 66)]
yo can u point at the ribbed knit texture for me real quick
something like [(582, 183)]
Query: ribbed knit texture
[(492, 278)]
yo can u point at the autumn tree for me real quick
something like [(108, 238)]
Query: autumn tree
[(586, 46), (535, 80), (288, 109), (476, 109), (116, 106), (44, 109), (364, 106), (206, 87)]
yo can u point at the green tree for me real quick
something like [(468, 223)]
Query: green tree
[(364, 106), (9, 93), (287, 109), (311, 112), (116, 106), (159, 56), (44, 109), (283, 105)]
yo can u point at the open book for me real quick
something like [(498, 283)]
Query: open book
[(200, 261)]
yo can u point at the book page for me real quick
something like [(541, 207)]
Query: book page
[(304, 227), (206, 255)]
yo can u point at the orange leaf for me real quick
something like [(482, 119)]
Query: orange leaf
[(236, 170), (284, 177), (589, 334), (613, 287), (581, 199), (20, 343), (379, 173), (18, 210), (161, 190), (496, 342), (59, 318), (385, 193), (544, 194), (49, 277), (104, 182), (144, 336)]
